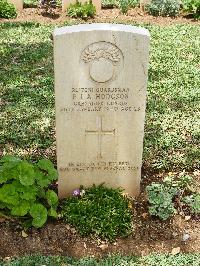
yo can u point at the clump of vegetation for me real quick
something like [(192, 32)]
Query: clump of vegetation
[(193, 201), (81, 10), (192, 7), (98, 210), (124, 6), (167, 197), (7, 10), (31, 3), (109, 3), (161, 199), (134, 3), (25, 192), (164, 8)]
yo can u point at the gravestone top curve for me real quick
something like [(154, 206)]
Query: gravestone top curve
[(101, 26)]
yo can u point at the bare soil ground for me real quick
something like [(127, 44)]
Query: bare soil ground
[(149, 235), (135, 15)]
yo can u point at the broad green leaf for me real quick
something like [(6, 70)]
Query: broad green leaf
[(9, 171), (48, 166), (26, 173), (18, 186), (9, 195), (3, 178), (21, 209), (52, 198), (9, 158), (39, 214), (53, 174), (25, 192), (41, 179), (41, 193), (45, 164), (52, 212), (29, 193)]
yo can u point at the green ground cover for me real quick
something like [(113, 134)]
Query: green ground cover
[(152, 260), (172, 128)]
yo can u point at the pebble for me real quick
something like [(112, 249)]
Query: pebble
[(176, 251), (103, 246), (186, 237), (187, 217)]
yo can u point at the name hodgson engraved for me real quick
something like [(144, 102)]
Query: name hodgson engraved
[(100, 99)]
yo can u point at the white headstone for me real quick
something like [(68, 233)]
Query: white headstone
[(100, 87), (17, 3)]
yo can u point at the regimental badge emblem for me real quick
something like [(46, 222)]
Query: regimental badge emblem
[(103, 61)]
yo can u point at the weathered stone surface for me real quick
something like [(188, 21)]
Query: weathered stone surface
[(17, 3), (100, 87), (66, 3)]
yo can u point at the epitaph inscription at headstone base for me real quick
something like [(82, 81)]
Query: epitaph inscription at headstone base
[(100, 88)]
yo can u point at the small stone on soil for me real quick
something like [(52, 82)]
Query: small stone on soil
[(186, 237), (103, 246), (176, 251), (187, 217), (24, 234)]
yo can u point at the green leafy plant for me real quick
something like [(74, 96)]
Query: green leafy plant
[(134, 3), (161, 199), (162, 196), (192, 7), (109, 3), (7, 10), (193, 201), (183, 183), (163, 8), (24, 189), (81, 10), (98, 210), (124, 6), (31, 3)]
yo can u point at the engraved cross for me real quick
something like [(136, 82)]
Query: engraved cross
[(100, 132)]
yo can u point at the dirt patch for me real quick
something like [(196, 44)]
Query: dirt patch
[(135, 15), (60, 239), (149, 235)]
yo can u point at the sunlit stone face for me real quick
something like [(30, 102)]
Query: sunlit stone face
[(100, 87)]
